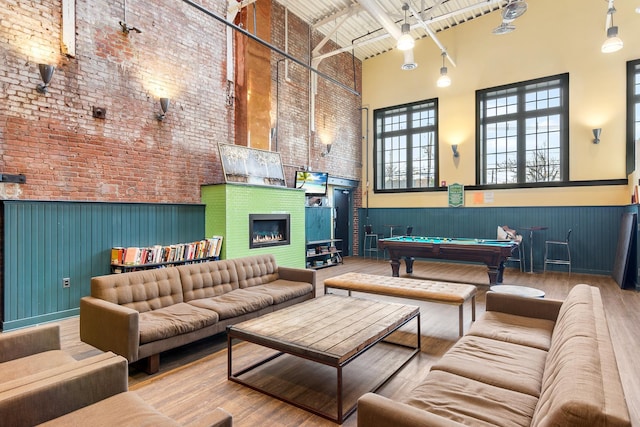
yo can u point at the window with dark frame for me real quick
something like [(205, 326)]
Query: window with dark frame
[(406, 151), (633, 111), (522, 132)]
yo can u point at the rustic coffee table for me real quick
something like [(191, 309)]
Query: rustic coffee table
[(332, 330)]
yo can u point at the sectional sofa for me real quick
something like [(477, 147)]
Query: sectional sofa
[(525, 362), (40, 383), (140, 314)]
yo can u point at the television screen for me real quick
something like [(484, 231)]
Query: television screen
[(313, 183)]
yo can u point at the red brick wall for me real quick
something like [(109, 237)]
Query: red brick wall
[(66, 154)]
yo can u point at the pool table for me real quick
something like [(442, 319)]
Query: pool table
[(491, 252)]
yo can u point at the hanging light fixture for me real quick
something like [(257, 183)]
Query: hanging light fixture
[(409, 63), (444, 80), (613, 43), (405, 42)]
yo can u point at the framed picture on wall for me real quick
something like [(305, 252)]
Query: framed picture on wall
[(251, 166)]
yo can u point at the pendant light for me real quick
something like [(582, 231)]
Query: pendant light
[(406, 42), (613, 43), (444, 80)]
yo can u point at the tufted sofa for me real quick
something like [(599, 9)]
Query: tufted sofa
[(140, 314), (525, 362), (40, 383)]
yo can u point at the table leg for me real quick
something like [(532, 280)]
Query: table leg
[(395, 267), (408, 262), (531, 251)]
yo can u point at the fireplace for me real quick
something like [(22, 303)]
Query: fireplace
[(268, 230)]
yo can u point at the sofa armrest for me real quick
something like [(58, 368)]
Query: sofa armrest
[(378, 411), (63, 390), (216, 418), (539, 308), (25, 342), (298, 275), (110, 327)]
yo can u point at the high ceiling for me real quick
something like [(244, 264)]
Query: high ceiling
[(370, 27)]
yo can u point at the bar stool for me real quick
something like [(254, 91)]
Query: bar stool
[(370, 243), (560, 244), (508, 234)]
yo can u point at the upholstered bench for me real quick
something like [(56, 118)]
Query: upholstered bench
[(401, 287)]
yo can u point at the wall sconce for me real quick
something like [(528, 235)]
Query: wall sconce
[(328, 150), (454, 148), (164, 105), (46, 73), (596, 135)]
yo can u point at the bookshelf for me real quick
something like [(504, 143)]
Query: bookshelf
[(324, 253), (143, 258)]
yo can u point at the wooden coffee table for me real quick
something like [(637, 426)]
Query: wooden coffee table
[(332, 330)]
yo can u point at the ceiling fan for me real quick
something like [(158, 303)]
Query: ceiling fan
[(513, 10)]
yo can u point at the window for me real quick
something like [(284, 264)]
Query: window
[(523, 132), (633, 111), (405, 147)]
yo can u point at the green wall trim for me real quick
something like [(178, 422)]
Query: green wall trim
[(227, 214)]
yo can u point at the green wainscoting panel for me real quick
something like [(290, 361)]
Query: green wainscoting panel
[(593, 240), (227, 214), (45, 242), (318, 223)]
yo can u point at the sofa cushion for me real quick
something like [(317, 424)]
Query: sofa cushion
[(140, 290), (256, 270), (283, 290), (208, 279), (502, 364), (581, 384), (514, 329), (123, 409), (471, 402), (39, 362), (174, 320), (234, 303)]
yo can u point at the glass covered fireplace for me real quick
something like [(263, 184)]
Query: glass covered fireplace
[(268, 230)]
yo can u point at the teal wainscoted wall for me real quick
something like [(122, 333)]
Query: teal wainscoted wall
[(593, 240), (44, 242), (317, 223)]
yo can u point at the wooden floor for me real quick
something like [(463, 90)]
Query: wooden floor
[(193, 379)]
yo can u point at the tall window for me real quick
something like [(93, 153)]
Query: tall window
[(633, 111), (405, 147), (523, 132)]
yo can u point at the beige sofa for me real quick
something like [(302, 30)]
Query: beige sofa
[(40, 383), (524, 362), (140, 314)]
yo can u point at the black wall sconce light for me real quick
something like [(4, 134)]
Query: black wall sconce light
[(164, 106), (328, 150), (596, 135), (454, 148), (46, 73)]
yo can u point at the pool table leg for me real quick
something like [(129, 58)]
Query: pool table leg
[(395, 267), (495, 273), (408, 262)]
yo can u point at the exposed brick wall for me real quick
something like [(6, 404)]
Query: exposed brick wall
[(67, 154)]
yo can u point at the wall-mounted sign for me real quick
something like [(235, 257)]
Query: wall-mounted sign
[(456, 195)]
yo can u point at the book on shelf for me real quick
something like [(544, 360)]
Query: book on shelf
[(159, 254)]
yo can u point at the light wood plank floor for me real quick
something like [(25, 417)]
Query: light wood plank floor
[(192, 379)]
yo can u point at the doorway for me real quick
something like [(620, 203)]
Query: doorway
[(343, 218)]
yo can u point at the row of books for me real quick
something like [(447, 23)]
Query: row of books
[(159, 254)]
